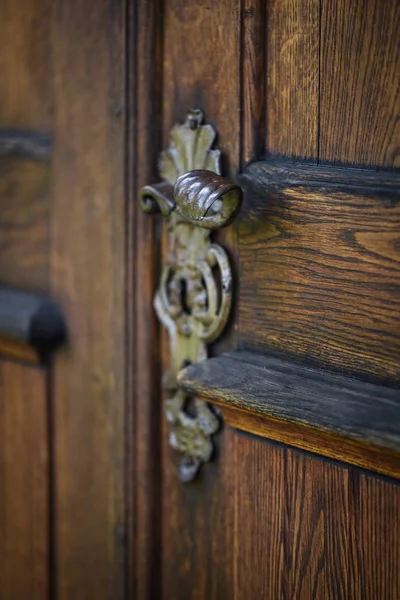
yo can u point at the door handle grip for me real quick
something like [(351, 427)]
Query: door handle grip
[(194, 295)]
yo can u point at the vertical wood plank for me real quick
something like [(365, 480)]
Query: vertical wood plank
[(253, 84), (24, 223), (360, 76), (304, 553), (25, 65), (87, 260), (292, 85), (24, 483), (198, 535), (25, 103), (337, 528), (259, 476), (144, 475), (374, 551), (201, 70), (307, 528), (279, 522)]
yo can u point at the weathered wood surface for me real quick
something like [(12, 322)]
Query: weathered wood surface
[(319, 265), (333, 81), (360, 82), (329, 414), (306, 528), (292, 89)]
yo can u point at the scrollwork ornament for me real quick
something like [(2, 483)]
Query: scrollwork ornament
[(194, 295)]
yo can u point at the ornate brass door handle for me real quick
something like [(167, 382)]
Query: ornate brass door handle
[(194, 296)]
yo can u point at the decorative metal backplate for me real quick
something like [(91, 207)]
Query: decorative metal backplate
[(194, 296)]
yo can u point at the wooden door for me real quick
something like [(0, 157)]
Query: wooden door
[(300, 498), (62, 215)]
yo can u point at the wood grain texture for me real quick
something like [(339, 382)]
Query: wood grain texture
[(25, 105), (267, 386), (201, 70), (25, 65), (24, 223), (24, 483), (253, 83), (144, 477), (376, 556), (87, 274), (320, 266), (360, 82), (385, 462), (305, 528), (292, 42), (338, 417), (198, 534)]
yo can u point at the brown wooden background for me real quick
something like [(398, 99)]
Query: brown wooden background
[(89, 490)]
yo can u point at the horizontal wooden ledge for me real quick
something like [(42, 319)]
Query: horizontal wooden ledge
[(25, 144), (30, 325), (332, 415), (272, 175)]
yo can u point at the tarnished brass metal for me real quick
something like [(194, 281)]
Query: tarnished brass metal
[(194, 296)]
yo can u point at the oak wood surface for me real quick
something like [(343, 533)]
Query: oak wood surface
[(25, 66), (336, 416), (306, 528), (323, 443), (24, 483), (319, 266), (292, 101), (360, 82), (25, 105), (333, 81), (24, 223), (87, 276), (318, 280)]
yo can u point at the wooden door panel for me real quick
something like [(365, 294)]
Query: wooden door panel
[(332, 81), (291, 43), (316, 263), (316, 276), (25, 65), (198, 537), (25, 110), (359, 91), (87, 278), (24, 482), (306, 528), (319, 266)]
